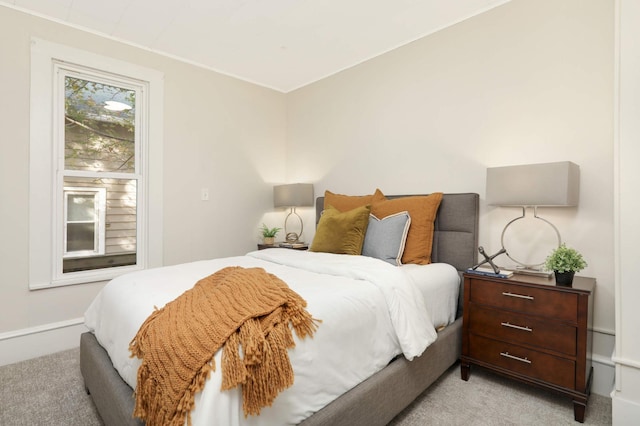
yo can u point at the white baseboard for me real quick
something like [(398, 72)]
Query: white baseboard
[(626, 396), (604, 372), (42, 340), (625, 412), (604, 375)]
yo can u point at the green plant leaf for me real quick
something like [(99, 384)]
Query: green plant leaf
[(565, 259), (269, 232)]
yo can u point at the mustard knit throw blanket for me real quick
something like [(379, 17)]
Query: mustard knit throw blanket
[(236, 308)]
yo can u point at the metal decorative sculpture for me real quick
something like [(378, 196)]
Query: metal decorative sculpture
[(489, 259)]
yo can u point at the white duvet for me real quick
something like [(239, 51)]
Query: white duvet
[(371, 311)]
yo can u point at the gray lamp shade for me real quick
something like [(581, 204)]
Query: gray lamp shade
[(293, 195), (546, 184)]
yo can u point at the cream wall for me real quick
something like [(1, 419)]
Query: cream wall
[(220, 133), (530, 81)]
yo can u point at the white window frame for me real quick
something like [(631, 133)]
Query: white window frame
[(99, 208), (61, 71), (46, 240)]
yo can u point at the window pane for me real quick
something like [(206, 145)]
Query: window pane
[(99, 127), (80, 236), (116, 225), (81, 207)]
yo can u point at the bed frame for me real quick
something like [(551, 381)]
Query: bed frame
[(377, 400)]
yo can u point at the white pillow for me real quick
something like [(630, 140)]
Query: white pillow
[(385, 238)]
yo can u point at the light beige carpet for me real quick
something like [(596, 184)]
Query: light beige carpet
[(50, 391), (46, 391), (492, 400)]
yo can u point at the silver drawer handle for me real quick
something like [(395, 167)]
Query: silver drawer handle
[(517, 358), (521, 296), (519, 327)]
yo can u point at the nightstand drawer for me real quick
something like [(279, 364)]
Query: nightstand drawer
[(528, 362), (529, 300), (517, 328)]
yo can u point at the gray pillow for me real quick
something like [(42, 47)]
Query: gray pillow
[(385, 238)]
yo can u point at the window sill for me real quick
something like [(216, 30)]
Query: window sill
[(86, 277)]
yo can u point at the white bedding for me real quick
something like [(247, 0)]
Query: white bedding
[(371, 311), (439, 284)]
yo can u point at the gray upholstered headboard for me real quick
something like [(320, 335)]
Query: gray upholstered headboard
[(456, 229)]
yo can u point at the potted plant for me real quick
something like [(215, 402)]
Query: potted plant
[(269, 234), (565, 262)]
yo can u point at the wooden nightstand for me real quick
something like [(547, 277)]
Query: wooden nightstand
[(529, 329), (304, 246)]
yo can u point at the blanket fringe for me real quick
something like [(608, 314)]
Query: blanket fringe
[(264, 369)]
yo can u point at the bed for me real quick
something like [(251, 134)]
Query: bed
[(374, 400)]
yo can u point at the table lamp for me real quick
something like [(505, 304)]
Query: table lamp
[(291, 196), (533, 185)]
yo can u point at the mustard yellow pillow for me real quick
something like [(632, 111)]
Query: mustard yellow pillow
[(422, 210), (345, 203), (341, 232)]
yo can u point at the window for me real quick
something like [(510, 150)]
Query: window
[(96, 144), (84, 222)]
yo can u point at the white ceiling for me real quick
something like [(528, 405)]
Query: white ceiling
[(280, 44)]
